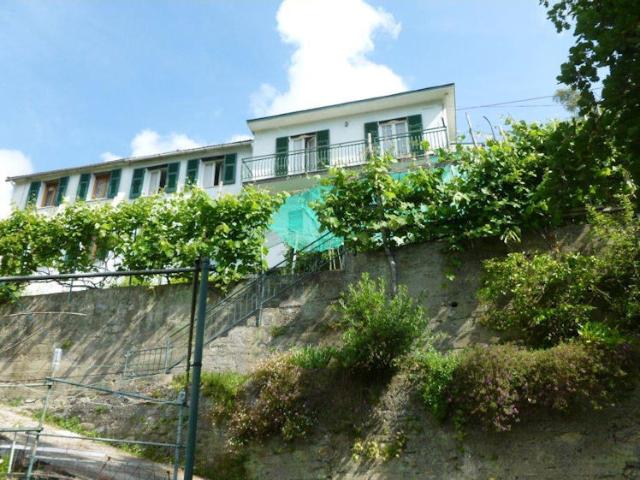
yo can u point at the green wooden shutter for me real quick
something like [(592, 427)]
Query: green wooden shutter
[(34, 190), (83, 186), (322, 141), (114, 183), (414, 123), (192, 171), (173, 170), (136, 183), (62, 189), (282, 156), (229, 175)]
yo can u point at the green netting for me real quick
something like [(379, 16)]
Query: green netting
[(297, 224)]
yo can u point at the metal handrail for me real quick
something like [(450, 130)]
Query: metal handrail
[(345, 154)]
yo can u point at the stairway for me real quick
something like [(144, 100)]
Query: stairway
[(244, 303)]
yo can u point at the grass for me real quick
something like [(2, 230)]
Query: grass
[(221, 388)]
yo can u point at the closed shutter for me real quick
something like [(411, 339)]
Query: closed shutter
[(414, 123), (83, 186), (173, 170), (136, 183), (62, 189), (322, 140), (192, 171), (114, 183), (34, 190), (282, 157), (229, 175)]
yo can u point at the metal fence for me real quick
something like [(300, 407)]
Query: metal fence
[(346, 154)]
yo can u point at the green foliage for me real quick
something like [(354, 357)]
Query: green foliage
[(381, 451), (149, 233), (496, 386), (309, 357), (531, 179), (221, 388), (606, 45), (545, 298), (377, 330), (275, 403), (436, 371)]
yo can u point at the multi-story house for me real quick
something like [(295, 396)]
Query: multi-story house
[(288, 152)]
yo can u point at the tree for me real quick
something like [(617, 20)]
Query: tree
[(607, 48), (373, 209), (568, 98)]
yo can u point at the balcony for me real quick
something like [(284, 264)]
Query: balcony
[(348, 154)]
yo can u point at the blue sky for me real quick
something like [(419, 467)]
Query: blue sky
[(84, 80)]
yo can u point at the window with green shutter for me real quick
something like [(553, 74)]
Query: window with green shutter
[(414, 123), (322, 140), (62, 190), (192, 171), (136, 183), (114, 183), (34, 190), (282, 156), (230, 168), (83, 186), (173, 171)]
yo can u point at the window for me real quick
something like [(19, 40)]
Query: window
[(303, 153), (101, 185), (50, 194), (212, 171), (157, 179), (393, 135)]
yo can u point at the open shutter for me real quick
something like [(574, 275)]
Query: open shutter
[(192, 171), (34, 190), (173, 170), (282, 156), (136, 183), (62, 189), (414, 123), (83, 186), (229, 176), (322, 141), (114, 183)]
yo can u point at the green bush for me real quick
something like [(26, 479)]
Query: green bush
[(546, 298), (274, 402), (222, 388), (312, 357), (496, 386), (377, 330), (437, 371)]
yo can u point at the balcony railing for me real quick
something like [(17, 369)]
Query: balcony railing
[(340, 155)]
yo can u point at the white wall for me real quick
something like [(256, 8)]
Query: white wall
[(348, 128)]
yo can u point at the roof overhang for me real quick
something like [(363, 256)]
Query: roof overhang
[(441, 93), (122, 162)]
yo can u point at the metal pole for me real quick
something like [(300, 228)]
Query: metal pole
[(176, 462), (473, 137), (32, 459), (197, 368), (13, 449)]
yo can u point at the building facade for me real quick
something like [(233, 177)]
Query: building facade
[(287, 153)]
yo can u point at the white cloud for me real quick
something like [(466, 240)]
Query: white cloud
[(332, 39), (148, 142), (108, 157), (12, 163)]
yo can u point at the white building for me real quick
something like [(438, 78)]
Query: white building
[(285, 150)]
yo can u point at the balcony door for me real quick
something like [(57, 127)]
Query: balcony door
[(394, 138), (303, 157)]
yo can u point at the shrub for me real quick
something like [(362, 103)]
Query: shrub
[(274, 402), (437, 371), (546, 298), (312, 357), (496, 385), (376, 329)]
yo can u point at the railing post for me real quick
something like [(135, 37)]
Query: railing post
[(176, 461), (197, 369)]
